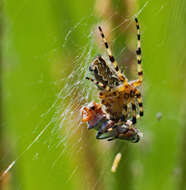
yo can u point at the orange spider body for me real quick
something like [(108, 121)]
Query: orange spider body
[(121, 99), (112, 100)]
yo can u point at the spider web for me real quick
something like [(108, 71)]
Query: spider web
[(65, 109)]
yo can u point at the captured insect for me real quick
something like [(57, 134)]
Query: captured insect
[(97, 119)]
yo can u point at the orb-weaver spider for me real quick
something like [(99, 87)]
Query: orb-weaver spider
[(118, 95)]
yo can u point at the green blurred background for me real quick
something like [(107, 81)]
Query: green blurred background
[(46, 49)]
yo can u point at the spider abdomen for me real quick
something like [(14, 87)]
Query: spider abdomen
[(103, 73)]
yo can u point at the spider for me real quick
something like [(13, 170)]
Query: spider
[(107, 129), (119, 96)]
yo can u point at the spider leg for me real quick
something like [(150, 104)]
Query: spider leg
[(139, 60), (99, 84), (140, 102), (112, 59), (133, 111)]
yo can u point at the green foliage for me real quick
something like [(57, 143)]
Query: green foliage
[(41, 42)]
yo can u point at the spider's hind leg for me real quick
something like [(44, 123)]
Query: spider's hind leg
[(112, 59)]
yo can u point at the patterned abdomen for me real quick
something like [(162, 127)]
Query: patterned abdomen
[(103, 73)]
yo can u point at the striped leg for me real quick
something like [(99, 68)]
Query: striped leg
[(140, 102), (139, 60), (112, 59), (99, 84), (133, 111)]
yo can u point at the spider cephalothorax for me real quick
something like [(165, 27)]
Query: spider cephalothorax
[(97, 119), (120, 98)]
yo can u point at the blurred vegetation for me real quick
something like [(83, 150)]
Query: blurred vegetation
[(43, 42)]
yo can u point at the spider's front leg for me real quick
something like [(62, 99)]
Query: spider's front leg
[(139, 81), (112, 59)]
